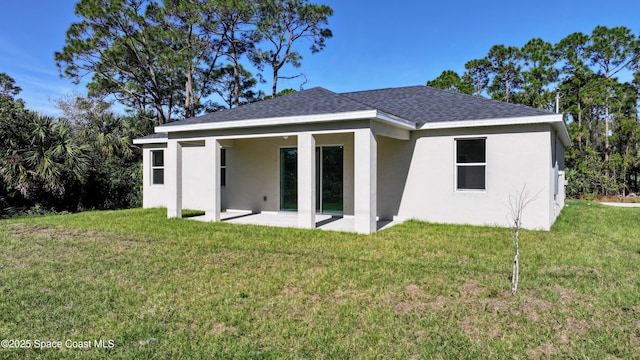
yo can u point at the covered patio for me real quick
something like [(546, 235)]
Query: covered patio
[(295, 164), (261, 180)]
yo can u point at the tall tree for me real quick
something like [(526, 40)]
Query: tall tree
[(280, 24), (199, 47), (574, 74), (538, 74), (506, 70), (478, 71), (12, 111), (450, 80), (123, 44), (611, 49), (225, 87), (238, 34), (8, 86)]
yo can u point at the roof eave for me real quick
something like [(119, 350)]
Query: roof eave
[(555, 120), (143, 141), (291, 120)]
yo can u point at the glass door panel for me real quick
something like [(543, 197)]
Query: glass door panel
[(289, 179), (331, 179)]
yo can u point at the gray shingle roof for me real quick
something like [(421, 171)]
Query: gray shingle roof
[(308, 102), (423, 104), (418, 104)]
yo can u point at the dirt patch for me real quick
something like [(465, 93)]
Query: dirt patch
[(545, 350), (478, 330), (222, 329), (414, 291), (535, 308), (570, 329), (289, 291), (403, 308), (439, 303), (67, 234), (471, 288), (566, 296)]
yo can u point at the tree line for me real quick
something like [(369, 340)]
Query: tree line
[(594, 79), (83, 160), (170, 57), (163, 60)]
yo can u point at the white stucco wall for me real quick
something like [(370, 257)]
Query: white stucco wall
[(194, 177), (152, 195), (417, 177)]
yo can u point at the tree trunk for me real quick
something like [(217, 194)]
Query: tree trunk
[(579, 123), (515, 270), (189, 99), (188, 95), (606, 129), (274, 90)]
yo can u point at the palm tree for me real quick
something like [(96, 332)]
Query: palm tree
[(47, 160)]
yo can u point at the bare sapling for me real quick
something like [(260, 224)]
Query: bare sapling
[(517, 203)]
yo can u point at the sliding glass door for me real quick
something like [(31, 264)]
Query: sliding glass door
[(329, 179)]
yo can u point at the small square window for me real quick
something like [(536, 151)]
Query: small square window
[(471, 164)]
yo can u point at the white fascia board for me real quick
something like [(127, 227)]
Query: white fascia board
[(555, 120), (293, 120), (395, 121), (149, 141)]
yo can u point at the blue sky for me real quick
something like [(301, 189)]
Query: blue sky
[(376, 44)]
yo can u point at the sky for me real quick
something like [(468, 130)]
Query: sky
[(375, 44)]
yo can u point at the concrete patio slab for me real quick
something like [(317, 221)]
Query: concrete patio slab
[(632, 205), (290, 219)]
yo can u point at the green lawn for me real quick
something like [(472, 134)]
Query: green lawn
[(184, 289)]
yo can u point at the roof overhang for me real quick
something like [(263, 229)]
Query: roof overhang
[(555, 120), (291, 120), (143, 141)]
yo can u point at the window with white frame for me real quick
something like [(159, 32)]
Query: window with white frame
[(223, 167), (471, 164), (157, 167)]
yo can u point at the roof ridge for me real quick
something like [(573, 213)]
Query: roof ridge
[(388, 88)]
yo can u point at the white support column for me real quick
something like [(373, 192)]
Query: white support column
[(212, 195), (306, 181), (365, 161), (173, 172)]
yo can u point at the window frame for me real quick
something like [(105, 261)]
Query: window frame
[(457, 164), (155, 167)]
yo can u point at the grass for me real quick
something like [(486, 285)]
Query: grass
[(178, 288)]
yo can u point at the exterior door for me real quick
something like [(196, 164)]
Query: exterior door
[(329, 179)]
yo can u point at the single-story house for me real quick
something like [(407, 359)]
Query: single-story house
[(389, 154)]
